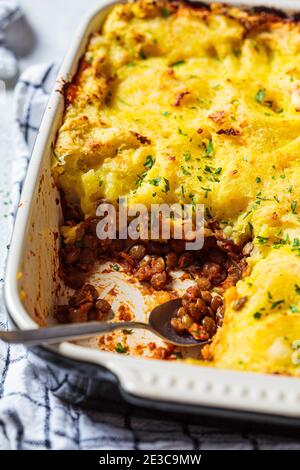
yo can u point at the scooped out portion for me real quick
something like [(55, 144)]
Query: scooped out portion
[(191, 104), (218, 265)]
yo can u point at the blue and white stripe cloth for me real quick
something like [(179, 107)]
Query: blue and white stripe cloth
[(37, 409)]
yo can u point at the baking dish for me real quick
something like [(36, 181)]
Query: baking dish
[(32, 272)]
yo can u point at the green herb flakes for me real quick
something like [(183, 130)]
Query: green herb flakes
[(297, 289), (120, 348), (276, 304), (165, 12), (155, 181), (149, 162), (260, 95), (178, 63), (167, 185), (115, 267), (294, 206), (209, 149), (185, 171)]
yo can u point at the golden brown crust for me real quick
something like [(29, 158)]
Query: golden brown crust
[(253, 20)]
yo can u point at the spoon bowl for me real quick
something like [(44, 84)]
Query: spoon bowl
[(159, 324)]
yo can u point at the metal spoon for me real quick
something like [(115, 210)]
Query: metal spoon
[(159, 324)]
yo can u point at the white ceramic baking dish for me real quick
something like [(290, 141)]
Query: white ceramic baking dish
[(32, 270)]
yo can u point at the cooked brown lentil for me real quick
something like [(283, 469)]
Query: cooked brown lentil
[(214, 268)]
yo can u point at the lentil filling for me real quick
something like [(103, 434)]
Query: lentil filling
[(212, 270)]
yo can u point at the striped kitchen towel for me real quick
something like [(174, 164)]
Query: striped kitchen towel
[(44, 405)]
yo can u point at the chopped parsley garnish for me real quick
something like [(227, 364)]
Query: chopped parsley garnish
[(294, 309), (297, 289), (131, 64), (155, 181), (55, 155), (120, 348), (166, 113), (260, 95), (208, 169), (258, 179), (140, 179), (209, 149), (176, 64), (115, 267), (250, 228), (127, 332), (257, 315), (294, 207), (261, 198), (187, 156), (149, 162), (262, 240), (218, 170), (185, 171), (206, 191), (246, 215), (167, 185), (276, 304), (165, 13)]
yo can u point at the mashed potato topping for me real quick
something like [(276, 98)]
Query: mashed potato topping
[(174, 103)]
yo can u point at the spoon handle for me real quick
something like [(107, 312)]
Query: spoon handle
[(56, 334)]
